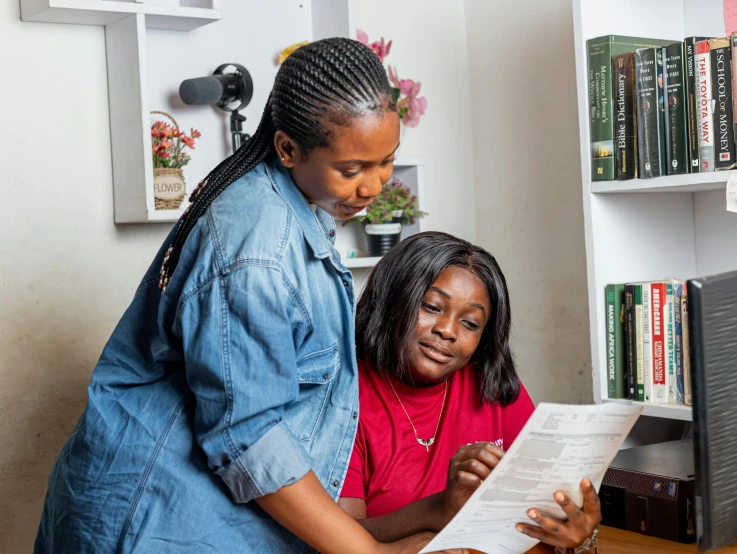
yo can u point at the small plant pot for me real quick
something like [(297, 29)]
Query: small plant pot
[(381, 237), (169, 188)]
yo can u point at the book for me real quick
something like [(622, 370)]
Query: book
[(660, 95), (670, 341), (685, 348), (733, 39), (601, 110), (692, 103), (629, 340), (657, 309), (639, 345), (703, 87), (678, 287), (615, 341), (676, 121), (625, 117), (647, 344), (649, 129), (720, 51)]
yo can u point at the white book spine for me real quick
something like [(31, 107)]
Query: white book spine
[(670, 344)]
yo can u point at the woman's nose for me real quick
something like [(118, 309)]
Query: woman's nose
[(371, 186)]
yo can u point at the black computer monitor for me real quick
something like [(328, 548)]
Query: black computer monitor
[(712, 320)]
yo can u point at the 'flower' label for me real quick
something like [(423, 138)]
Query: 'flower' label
[(384, 229)]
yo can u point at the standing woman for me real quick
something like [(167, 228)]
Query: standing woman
[(225, 403)]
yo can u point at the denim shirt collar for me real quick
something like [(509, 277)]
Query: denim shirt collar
[(316, 225)]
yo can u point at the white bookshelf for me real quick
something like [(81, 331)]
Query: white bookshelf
[(351, 237), (139, 34), (647, 229)]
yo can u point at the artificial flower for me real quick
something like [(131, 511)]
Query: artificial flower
[(289, 50), (380, 48)]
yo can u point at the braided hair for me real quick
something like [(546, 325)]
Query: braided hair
[(321, 85)]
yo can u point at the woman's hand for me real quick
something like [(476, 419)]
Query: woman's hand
[(467, 470), (566, 534)]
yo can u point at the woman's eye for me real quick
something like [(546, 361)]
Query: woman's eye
[(471, 325), (429, 307), (351, 173)]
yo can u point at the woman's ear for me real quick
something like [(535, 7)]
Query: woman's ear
[(287, 149)]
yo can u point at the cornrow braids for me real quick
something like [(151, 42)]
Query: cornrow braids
[(328, 82)]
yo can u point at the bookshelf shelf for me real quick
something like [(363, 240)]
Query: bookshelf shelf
[(696, 182), (668, 411), (631, 236)]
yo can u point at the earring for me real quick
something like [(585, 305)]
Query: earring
[(282, 159)]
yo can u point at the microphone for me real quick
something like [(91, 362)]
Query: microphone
[(210, 90), (222, 89), (219, 88)]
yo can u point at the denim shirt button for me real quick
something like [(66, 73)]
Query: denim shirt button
[(345, 283), (355, 415), (325, 375), (336, 483), (332, 232)]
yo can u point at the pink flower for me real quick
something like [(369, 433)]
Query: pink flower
[(411, 107), (195, 133), (380, 48), (189, 141)]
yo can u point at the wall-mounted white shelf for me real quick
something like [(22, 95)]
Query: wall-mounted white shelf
[(356, 263), (351, 237), (631, 236), (105, 12), (693, 182), (147, 62)]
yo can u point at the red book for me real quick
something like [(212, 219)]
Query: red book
[(657, 303)]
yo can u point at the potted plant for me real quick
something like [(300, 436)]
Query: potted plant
[(383, 221), (168, 144)]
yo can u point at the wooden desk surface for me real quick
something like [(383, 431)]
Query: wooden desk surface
[(616, 541)]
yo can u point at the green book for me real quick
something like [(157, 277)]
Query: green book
[(615, 341), (601, 106), (639, 344), (676, 118)]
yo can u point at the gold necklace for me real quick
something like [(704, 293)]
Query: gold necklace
[(428, 442)]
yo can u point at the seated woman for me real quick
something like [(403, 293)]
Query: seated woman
[(439, 394)]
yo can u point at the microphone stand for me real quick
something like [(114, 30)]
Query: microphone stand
[(238, 137)]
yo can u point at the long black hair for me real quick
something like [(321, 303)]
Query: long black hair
[(387, 311), (321, 85)]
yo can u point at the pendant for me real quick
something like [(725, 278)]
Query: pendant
[(426, 443)]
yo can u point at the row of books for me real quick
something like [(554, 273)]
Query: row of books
[(660, 107), (647, 342)]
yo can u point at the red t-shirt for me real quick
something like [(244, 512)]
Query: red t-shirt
[(389, 468)]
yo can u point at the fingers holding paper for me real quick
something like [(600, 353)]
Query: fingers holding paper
[(567, 534)]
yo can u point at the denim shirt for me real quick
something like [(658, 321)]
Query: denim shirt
[(235, 382)]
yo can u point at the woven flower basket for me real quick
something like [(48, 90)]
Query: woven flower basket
[(169, 185), (169, 188)]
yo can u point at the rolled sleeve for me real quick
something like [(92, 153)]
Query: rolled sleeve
[(240, 360), (272, 462)]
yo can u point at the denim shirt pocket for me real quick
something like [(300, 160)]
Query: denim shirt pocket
[(315, 374)]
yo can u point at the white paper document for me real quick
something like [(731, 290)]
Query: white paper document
[(559, 446)]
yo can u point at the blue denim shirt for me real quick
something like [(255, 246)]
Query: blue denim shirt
[(235, 382)]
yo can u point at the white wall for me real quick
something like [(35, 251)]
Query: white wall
[(67, 272), (528, 184)]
